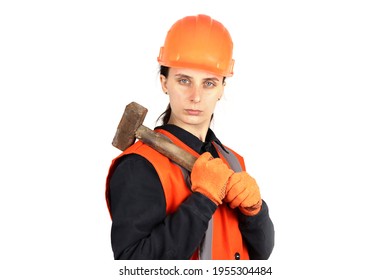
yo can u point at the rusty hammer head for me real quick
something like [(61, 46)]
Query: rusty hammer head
[(131, 120)]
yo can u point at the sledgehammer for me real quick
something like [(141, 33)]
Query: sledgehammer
[(130, 128)]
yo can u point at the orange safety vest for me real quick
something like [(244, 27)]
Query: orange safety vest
[(223, 240)]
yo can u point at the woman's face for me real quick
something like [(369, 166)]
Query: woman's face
[(193, 95)]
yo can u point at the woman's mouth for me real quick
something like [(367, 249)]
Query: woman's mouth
[(193, 112)]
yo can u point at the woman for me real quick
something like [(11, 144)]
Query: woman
[(161, 211)]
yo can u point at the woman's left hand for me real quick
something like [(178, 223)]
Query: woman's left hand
[(243, 192)]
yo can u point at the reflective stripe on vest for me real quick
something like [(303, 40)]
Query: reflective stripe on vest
[(205, 249)]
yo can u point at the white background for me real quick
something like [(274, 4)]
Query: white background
[(308, 108)]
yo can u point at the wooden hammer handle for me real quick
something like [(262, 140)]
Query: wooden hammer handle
[(163, 145)]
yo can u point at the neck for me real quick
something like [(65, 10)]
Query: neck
[(200, 131)]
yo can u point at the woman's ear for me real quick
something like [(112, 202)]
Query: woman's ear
[(163, 81), (222, 92)]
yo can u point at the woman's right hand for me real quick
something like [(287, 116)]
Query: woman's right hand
[(210, 176)]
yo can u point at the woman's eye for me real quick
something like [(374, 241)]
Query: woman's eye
[(184, 81), (209, 84)]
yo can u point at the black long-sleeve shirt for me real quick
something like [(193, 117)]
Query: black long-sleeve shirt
[(141, 229)]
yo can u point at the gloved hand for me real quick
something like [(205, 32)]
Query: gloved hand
[(243, 192), (209, 176)]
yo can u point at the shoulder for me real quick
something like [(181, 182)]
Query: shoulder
[(133, 162), (140, 160)]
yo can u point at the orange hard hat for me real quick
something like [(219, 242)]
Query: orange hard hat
[(198, 42)]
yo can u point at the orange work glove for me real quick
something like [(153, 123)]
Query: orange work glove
[(243, 192), (209, 176)]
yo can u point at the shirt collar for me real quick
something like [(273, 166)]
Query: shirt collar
[(191, 140)]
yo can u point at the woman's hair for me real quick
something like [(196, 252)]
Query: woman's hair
[(164, 117)]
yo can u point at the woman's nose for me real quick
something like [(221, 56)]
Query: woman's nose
[(195, 94)]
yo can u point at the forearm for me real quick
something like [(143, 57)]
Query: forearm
[(176, 236), (258, 233)]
